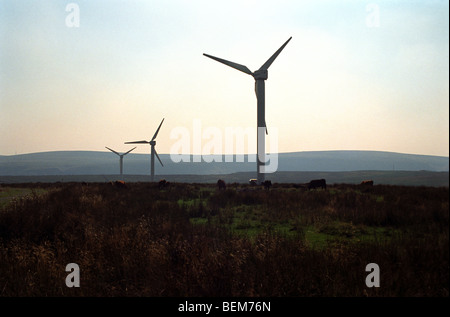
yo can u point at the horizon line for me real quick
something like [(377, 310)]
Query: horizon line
[(232, 154)]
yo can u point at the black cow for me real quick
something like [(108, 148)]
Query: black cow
[(253, 182), (163, 184), (267, 184), (221, 184), (317, 183), (367, 183)]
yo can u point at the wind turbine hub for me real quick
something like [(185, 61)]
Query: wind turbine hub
[(152, 142), (261, 74)]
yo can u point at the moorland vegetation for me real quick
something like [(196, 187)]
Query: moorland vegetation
[(196, 240)]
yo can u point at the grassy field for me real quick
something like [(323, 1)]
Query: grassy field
[(194, 240), (8, 194), (401, 178)]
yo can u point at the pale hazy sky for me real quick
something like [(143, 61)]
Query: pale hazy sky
[(357, 75)]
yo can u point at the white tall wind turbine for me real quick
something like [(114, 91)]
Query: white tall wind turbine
[(121, 157), (260, 76), (152, 143)]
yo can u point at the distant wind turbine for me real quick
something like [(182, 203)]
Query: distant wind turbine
[(121, 157), (260, 76), (152, 143)]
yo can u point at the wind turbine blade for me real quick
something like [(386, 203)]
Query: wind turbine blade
[(112, 150), (159, 158), (137, 142), (240, 67), (156, 133), (272, 58), (129, 151), (265, 124)]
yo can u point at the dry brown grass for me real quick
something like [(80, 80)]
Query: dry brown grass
[(139, 242)]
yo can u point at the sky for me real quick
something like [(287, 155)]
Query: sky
[(357, 75)]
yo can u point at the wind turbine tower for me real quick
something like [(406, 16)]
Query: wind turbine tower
[(121, 157), (260, 76), (153, 152)]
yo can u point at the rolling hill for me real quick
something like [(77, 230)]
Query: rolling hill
[(101, 163), (335, 166)]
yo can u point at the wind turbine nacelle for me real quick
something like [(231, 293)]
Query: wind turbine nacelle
[(261, 74), (152, 142)]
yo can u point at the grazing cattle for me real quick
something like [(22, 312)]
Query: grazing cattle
[(317, 183), (163, 184), (221, 184), (120, 184), (253, 182), (267, 184), (367, 183)]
